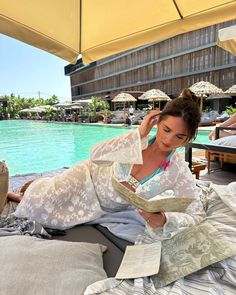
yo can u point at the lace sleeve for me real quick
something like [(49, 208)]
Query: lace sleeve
[(183, 186), (125, 148)]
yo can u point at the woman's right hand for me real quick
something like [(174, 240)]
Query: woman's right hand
[(149, 122), (212, 134)]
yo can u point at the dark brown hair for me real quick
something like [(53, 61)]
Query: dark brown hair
[(186, 107)]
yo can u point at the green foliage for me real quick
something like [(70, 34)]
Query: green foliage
[(207, 110), (97, 107), (15, 104), (230, 110)]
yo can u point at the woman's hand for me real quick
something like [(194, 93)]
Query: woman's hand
[(149, 122), (212, 134), (153, 219)]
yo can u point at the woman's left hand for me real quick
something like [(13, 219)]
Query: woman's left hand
[(153, 219)]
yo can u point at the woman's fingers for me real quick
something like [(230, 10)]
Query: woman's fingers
[(149, 122), (153, 219)]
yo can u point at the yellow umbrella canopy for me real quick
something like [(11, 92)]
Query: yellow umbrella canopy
[(231, 90), (97, 29), (227, 39), (202, 89)]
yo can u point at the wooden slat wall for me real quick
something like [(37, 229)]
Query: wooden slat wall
[(165, 65)]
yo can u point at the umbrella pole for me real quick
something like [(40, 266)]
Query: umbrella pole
[(201, 103)]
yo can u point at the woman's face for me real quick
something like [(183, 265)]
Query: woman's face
[(172, 133)]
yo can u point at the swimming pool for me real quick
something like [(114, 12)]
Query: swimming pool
[(29, 146)]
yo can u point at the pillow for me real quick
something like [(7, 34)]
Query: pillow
[(35, 266), (191, 250), (226, 141)]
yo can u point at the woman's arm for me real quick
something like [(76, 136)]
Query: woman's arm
[(183, 186), (125, 148), (229, 122)]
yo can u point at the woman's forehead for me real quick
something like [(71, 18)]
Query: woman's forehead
[(176, 124)]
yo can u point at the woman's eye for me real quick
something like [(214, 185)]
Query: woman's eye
[(166, 130), (180, 137)]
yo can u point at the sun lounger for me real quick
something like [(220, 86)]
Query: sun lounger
[(223, 152)]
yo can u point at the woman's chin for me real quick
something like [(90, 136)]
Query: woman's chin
[(164, 148)]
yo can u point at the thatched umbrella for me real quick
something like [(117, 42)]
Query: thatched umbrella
[(155, 95), (124, 97), (202, 88), (231, 90)]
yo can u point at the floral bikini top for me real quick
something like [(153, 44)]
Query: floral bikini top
[(135, 183)]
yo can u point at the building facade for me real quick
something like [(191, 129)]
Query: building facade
[(169, 65)]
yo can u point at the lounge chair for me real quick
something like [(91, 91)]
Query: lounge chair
[(223, 152), (118, 117), (138, 117), (208, 118)]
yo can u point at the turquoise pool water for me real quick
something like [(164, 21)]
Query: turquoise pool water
[(29, 146)]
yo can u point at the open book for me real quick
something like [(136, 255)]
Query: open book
[(163, 205)]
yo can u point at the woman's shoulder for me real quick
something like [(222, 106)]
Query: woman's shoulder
[(177, 159)]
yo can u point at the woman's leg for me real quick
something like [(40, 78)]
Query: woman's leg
[(18, 197), (14, 197)]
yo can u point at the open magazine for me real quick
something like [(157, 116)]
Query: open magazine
[(163, 205)]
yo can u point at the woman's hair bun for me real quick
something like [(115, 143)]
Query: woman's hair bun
[(188, 94)]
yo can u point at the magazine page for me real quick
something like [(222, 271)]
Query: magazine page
[(140, 261), (162, 205)]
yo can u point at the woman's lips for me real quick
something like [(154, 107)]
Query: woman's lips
[(165, 145)]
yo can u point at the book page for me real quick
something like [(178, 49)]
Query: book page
[(162, 205), (140, 261)]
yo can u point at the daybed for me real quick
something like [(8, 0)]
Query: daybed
[(30, 265)]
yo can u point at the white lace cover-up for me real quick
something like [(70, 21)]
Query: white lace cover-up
[(84, 192)]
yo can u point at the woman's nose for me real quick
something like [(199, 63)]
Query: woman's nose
[(169, 139)]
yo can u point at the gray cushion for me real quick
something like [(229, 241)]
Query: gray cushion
[(226, 141), (93, 234), (34, 266)]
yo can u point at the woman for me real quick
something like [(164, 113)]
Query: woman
[(231, 122), (149, 166)]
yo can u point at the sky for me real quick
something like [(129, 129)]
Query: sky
[(31, 72)]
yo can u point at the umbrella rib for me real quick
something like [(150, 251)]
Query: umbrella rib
[(177, 8), (80, 25)]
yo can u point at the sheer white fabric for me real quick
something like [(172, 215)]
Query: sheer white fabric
[(84, 192)]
